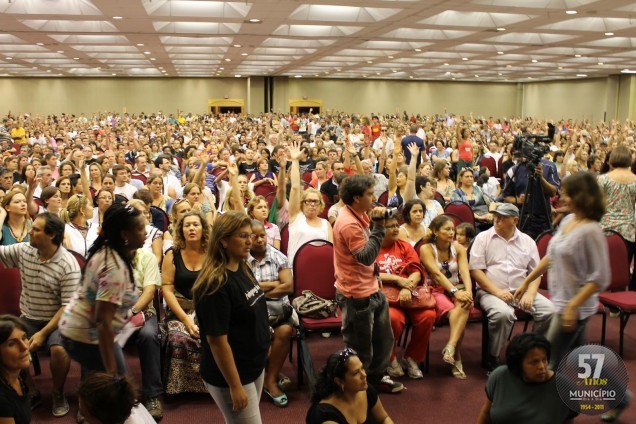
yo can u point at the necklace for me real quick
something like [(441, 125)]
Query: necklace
[(22, 232)]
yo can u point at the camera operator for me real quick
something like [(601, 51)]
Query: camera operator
[(546, 182), (366, 326)]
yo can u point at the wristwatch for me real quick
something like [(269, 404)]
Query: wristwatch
[(454, 290)]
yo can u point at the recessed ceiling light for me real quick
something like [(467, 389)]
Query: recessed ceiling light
[(152, 58), (60, 51), (390, 57), (113, 74), (529, 77), (8, 58), (298, 76), (40, 44), (417, 50), (221, 69), (237, 45), (146, 52), (577, 55), (501, 29), (228, 59), (394, 71), (237, 76), (446, 64), (628, 71), (508, 66), (601, 63), (316, 75), (560, 67), (500, 52), (377, 73), (453, 78), (76, 58), (243, 54), (140, 44), (571, 12), (499, 73), (255, 21), (118, 17), (476, 76), (581, 75), (411, 76), (609, 34), (369, 61), (534, 60), (464, 58)]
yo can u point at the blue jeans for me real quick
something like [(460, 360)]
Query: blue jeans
[(366, 328), (149, 349), (90, 358)]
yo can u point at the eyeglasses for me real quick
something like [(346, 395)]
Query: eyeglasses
[(245, 236), (446, 268), (312, 202)]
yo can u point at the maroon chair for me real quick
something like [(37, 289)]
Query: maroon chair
[(328, 204), (269, 197), (491, 164), (542, 241), (456, 219), (617, 295), (264, 189), (81, 260), (320, 280), (139, 176), (462, 210), (384, 198), (284, 238), (306, 177), (440, 198), (500, 169)]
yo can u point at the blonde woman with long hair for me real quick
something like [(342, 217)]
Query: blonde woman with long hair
[(232, 314)]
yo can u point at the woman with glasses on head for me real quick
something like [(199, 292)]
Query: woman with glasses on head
[(181, 267), (304, 208), (232, 312), (342, 395), (446, 261), (80, 232), (15, 406)]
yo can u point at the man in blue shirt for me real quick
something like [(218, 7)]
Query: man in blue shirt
[(412, 138)]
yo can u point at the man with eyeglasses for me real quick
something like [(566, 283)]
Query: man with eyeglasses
[(500, 260), (366, 325)]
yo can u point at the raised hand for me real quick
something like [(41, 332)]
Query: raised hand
[(413, 149), (294, 151)]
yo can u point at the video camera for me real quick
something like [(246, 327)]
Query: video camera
[(533, 147)]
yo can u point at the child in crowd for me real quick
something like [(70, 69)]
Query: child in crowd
[(464, 234)]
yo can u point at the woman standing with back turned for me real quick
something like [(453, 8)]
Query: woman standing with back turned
[(232, 313)]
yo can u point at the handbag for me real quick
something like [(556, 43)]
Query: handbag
[(278, 312), (421, 297), (309, 305)]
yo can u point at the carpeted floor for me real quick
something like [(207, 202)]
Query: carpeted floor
[(438, 398)]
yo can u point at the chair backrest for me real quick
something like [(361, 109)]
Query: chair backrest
[(10, 290), (543, 240), (456, 219), (618, 261), (418, 246), (270, 198), (140, 177), (500, 168), (264, 189), (384, 198), (308, 276), (491, 164), (328, 204), (462, 210), (440, 198), (160, 218), (306, 177), (81, 260), (284, 238)]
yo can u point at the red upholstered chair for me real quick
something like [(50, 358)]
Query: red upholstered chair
[(81, 260), (618, 296), (140, 177), (269, 197), (328, 204), (440, 198), (500, 168), (542, 241), (462, 210), (384, 198), (456, 219), (306, 177), (491, 164), (320, 280), (264, 189), (284, 238)]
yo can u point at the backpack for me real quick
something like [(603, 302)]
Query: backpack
[(309, 305)]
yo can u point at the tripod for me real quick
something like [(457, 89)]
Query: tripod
[(528, 211)]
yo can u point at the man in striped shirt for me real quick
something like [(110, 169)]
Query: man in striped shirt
[(50, 275)]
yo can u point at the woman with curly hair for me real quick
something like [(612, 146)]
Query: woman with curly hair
[(180, 269)]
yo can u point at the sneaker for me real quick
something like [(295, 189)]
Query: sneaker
[(395, 370), (153, 405), (412, 368), (386, 385), (60, 405)]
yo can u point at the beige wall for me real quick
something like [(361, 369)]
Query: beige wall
[(388, 96), (70, 95), (581, 98)]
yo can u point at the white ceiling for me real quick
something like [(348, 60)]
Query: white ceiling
[(478, 40)]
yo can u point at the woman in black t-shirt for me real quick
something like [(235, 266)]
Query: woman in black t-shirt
[(342, 394), (232, 314), (14, 357)]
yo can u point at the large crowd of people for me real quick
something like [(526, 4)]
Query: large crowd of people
[(212, 209)]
